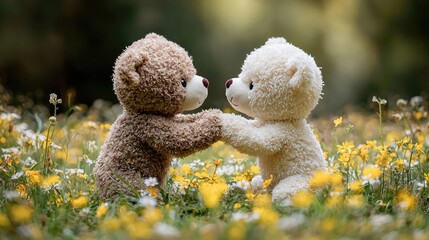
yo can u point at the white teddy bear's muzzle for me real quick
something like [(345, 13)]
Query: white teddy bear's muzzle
[(237, 93), (196, 92)]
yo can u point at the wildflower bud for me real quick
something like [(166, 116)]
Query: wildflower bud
[(397, 117), (52, 120), (379, 100), (401, 103), (59, 101), (53, 98)]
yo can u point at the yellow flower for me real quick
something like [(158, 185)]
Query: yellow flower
[(406, 201), (101, 210), (237, 205), (212, 193), (355, 201), (254, 170), (217, 162), (336, 179), (127, 217), (152, 215), (405, 141), (262, 201), (418, 115), (34, 177), (21, 213), (21, 189), (267, 216), (111, 224), (50, 181), (237, 231), (249, 194), (81, 175), (267, 182), (399, 164), (153, 191), (383, 158), (139, 230), (371, 172), (303, 199), (356, 186), (346, 147), (426, 177), (320, 179), (338, 121), (334, 201), (186, 169), (202, 174), (421, 139), (363, 152), (371, 144), (4, 221), (328, 224), (79, 202)]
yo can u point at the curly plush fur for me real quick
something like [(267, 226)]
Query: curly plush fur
[(148, 81), (279, 85)]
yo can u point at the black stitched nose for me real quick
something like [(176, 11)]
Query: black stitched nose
[(206, 82), (228, 83)]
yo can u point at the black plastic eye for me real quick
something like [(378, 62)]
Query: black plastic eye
[(183, 82), (251, 85)]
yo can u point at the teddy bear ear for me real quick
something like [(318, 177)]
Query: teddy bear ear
[(127, 66), (300, 74), (275, 40)]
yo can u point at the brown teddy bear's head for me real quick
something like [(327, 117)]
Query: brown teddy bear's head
[(157, 76)]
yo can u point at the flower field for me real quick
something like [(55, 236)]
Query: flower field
[(376, 186)]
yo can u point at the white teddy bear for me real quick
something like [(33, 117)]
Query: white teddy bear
[(279, 86)]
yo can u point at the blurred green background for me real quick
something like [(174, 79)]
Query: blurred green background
[(365, 47)]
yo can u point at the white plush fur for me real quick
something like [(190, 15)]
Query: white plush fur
[(279, 86), (196, 93)]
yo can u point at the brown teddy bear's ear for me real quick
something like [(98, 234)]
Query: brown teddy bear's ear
[(128, 64)]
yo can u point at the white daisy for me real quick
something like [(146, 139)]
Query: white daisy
[(151, 182), (147, 202)]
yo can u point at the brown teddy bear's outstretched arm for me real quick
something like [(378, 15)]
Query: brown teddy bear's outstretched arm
[(241, 134), (181, 136)]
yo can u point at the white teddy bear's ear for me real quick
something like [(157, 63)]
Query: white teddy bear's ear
[(299, 71), (275, 40)]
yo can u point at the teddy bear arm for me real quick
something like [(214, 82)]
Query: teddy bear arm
[(241, 134), (181, 138)]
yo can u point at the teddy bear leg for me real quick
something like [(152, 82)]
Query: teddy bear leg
[(289, 186), (119, 183)]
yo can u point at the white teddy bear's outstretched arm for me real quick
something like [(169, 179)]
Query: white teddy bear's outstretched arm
[(241, 134)]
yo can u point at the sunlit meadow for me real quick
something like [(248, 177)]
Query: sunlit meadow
[(376, 185)]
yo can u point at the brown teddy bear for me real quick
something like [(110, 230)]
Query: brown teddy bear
[(154, 80)]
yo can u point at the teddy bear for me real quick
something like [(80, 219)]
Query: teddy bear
[(279, 86), (155, 81)]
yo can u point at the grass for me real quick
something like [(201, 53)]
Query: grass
[(376, 186)]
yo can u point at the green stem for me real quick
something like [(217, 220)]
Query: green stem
[(380, 118)]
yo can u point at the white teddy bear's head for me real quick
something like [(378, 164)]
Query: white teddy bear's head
[(278, 81)]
